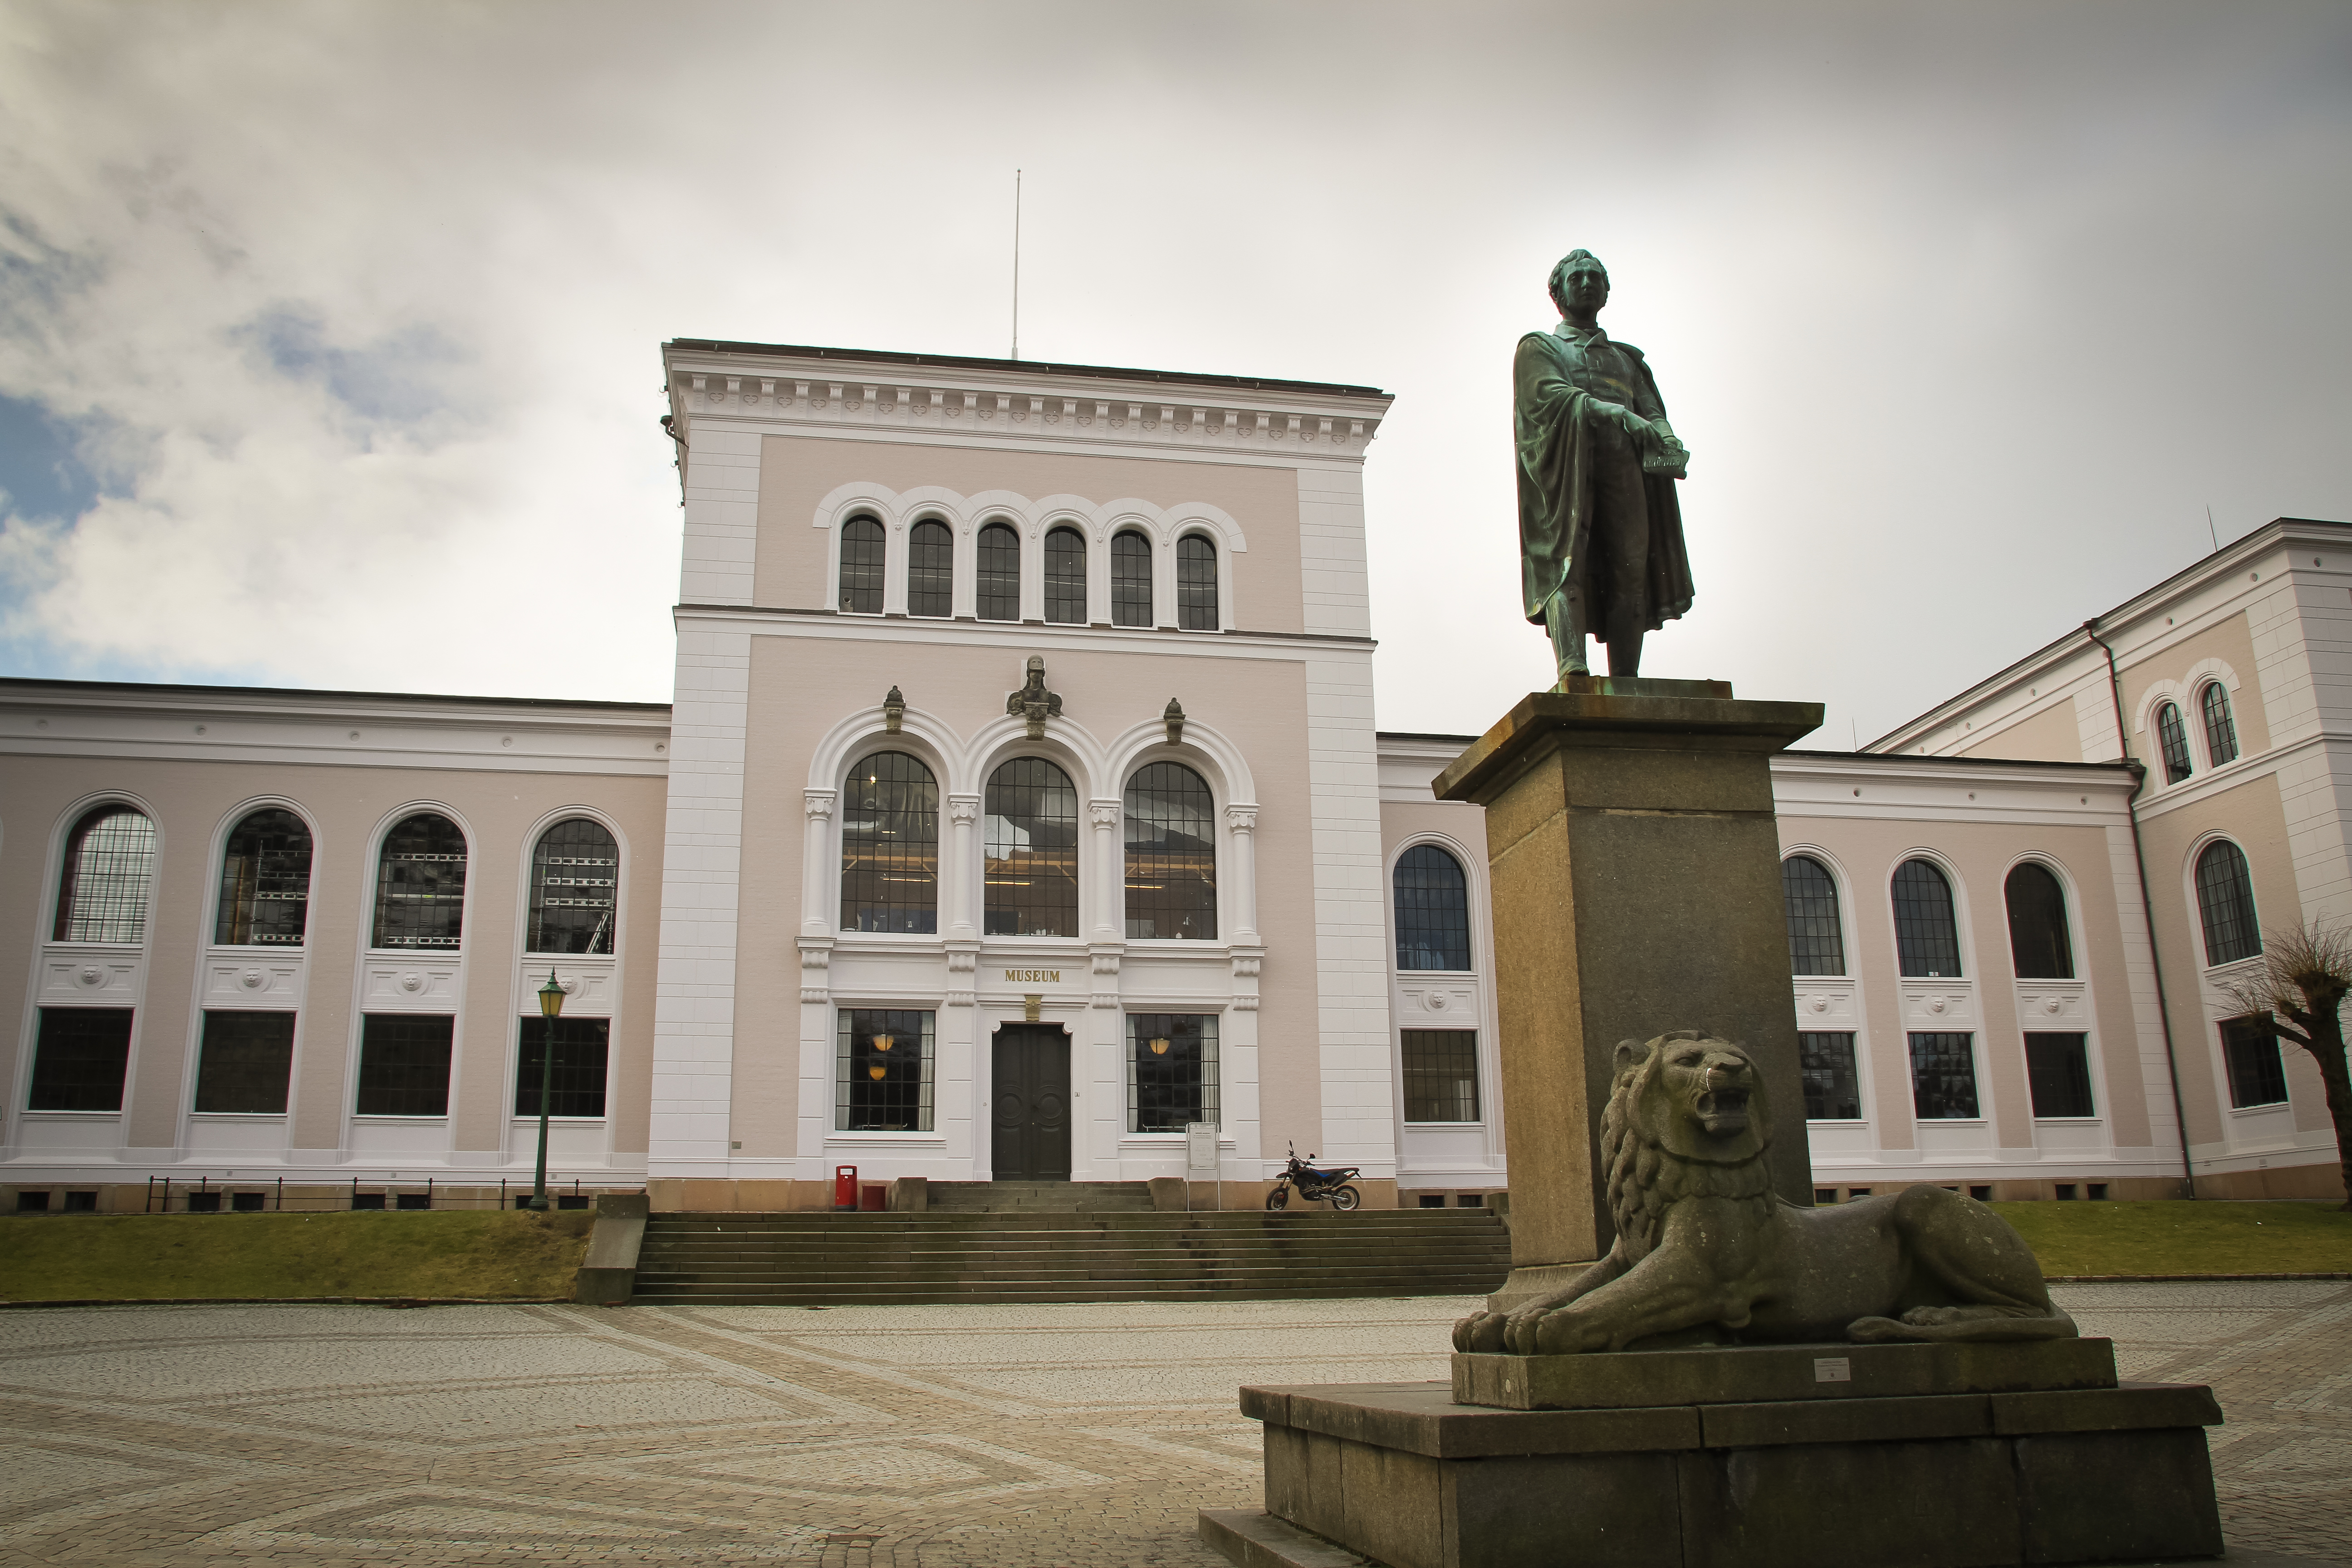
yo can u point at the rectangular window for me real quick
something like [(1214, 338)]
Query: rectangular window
[(1943, 1078), (245, 1062), (2058, 1068), (582, 1046), (2250, 1052), (1826, 1061), (1171, 1075), (79, 1061), (884, 1080), (1441, 1074), (404, 1065)]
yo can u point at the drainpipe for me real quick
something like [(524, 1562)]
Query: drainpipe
[(2146, 905)]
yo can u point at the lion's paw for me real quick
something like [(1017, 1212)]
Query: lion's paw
[(1922, 1317), (1480, 1332), (1878, 1331)]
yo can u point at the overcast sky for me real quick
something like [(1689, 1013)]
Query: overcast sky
[(329, 332)]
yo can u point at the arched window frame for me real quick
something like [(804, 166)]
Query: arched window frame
[(2197, 853), (1841, 889), (1021, 572), (1958, 888), (946, 875), (2071, 910), (539, 829), (1154, 613), (891, 583), (962, 559), (1220, 850), (62, 844), (1082, 859), (1223, 575), (2207, 690), (2173, 751), (223, 829), (382, 831), (1035, 606), (1471, 893)]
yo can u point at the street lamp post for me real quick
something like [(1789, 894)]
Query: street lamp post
[(551, 1007)]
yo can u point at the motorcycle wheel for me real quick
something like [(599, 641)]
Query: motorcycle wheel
[(1346, 1198), (1279, 1199)]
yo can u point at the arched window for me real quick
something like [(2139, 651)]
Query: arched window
[(109, 863), (2038, 941), (2173, 738), (1032, 872), (575, 874), (861, 551), (1196, 584), (890, 846), (1816, 939), (1171, 854), (1131, 580), (265, 886), (1926, 936), (1432, 909), (1065, 578), (2221, 730), (930, 570), (420, 885), (999, 598), (2225, 904)]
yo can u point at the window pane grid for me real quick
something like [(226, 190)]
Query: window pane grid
[(79, 1059), (1176, 1085), (1926, 938), (863, 549), (244, 1063), (2251, 1053), (575, 878), (420, 897), (999, 584), (1131, 580), (1441, 1074), (582, 1047), (2225, 904), (2221, 729), (1171, 855), (1433, 910), (2058, 1071), (890, 846), (1032, 867), (2038, 939), (1066, 577), (1825, 1062), (110, 860), (930, 570), (882, 1081), (404, 1065), (265, 891), (1816, 937), (1943, 1078), (1196, 584), (2173, 736)]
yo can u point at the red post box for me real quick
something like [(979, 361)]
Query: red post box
[(845, 1187)]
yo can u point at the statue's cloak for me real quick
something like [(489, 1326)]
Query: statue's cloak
[(1555, 490)]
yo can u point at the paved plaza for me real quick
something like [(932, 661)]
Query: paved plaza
[(917, 1437)]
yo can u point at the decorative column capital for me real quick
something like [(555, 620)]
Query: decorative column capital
[(963, 810), (1242, 819), (818, 803), (1105, 813)]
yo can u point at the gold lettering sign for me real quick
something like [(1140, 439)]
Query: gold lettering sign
[(1032, 977)]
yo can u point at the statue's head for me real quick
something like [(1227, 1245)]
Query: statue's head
[(1580, 280)]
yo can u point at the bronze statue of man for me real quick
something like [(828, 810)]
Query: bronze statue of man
[(1601, 531)]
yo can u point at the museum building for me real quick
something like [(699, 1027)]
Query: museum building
[(1021, 807)]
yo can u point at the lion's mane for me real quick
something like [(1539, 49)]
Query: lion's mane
[(1646, 1179)]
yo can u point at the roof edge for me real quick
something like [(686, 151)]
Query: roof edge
[(1020, 367)]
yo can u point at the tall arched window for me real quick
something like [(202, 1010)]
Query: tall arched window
[(1926, 936), (109, 863), (930, 570), (1196, 584), (1171, 854), (1031, 873), (2172, 738), (2225, 904), (890, 846), (575, 877), (420, 885), (2038, 941), (1065, 578), (1816, 938), (999, 585), (2221, 730), (265, 886), (861, 551), (1131, 580), (1432, 909)]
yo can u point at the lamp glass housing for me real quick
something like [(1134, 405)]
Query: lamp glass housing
[(550, 997)]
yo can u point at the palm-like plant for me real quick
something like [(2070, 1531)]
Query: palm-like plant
[(2305, 972)]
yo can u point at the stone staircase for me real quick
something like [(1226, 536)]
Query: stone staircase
[(822, 1258), (1039, 1197)]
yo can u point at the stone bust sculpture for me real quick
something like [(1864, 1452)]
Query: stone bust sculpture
[(1601, 529)]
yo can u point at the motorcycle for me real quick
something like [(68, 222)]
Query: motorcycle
[(1314, 1185)]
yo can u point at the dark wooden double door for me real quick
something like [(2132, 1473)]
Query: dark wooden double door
[(1033, 1104)]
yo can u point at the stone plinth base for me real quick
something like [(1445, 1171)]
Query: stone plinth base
[(1748, 1374), (1402, 1474), (1530, 1281)]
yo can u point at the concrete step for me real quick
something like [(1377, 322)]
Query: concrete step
[(1039, 1197)]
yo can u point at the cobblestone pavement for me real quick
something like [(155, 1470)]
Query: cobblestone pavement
[(916, 1437)]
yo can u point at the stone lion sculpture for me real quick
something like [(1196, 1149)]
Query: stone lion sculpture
[(1704, 1246)]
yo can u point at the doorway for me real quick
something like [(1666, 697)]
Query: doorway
[(1031, 1122)]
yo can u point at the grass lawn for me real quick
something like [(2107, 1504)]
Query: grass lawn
[(2180, 1237), (484, 1252)]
